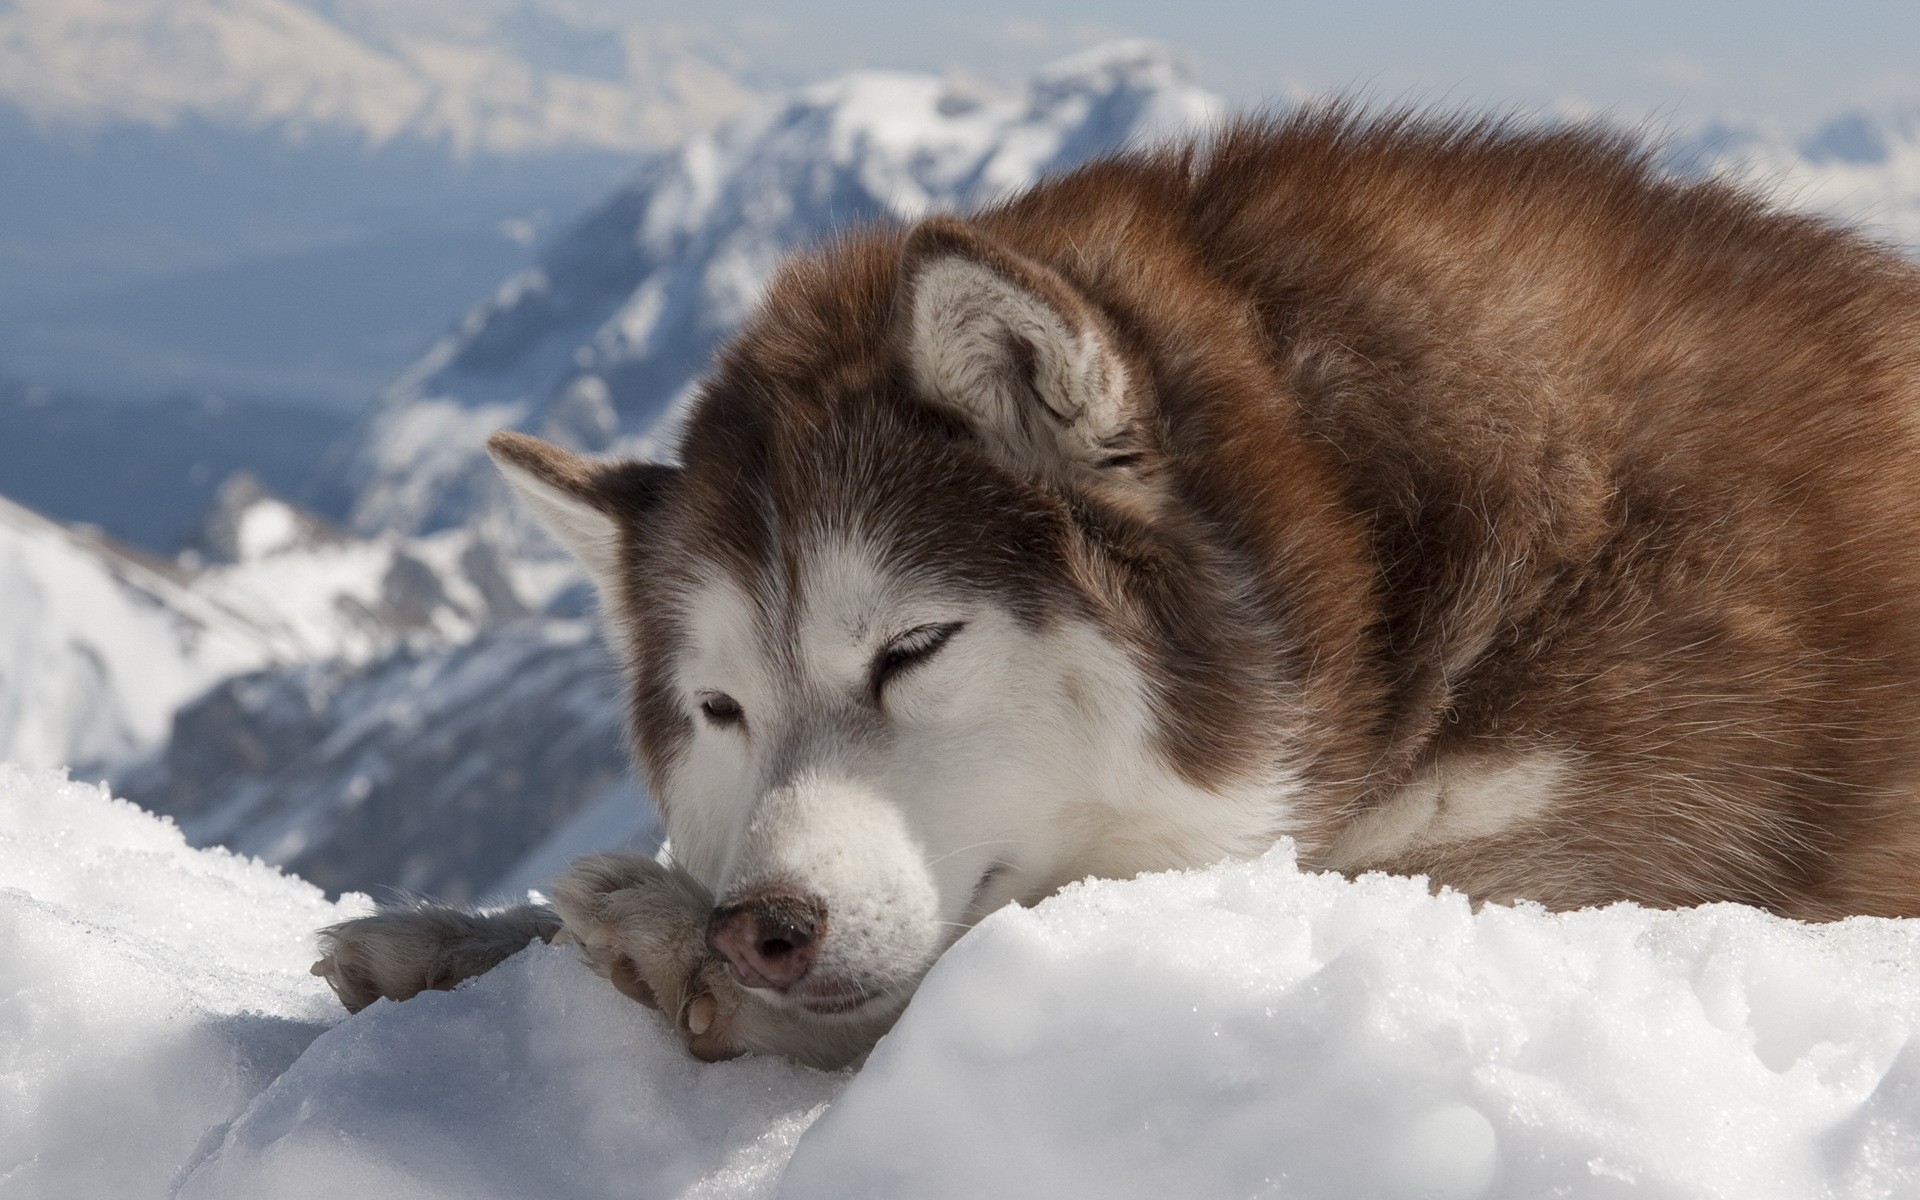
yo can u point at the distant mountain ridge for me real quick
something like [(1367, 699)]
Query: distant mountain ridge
[(597, 343), (145, 472), (482, 77), (287, 198)]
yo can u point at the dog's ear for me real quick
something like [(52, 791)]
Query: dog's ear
[(1012, 348), (587, 503)]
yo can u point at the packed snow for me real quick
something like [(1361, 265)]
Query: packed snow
[(1245, 1030)]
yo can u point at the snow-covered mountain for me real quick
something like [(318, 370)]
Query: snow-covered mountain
[(488, 76), (594, 345), (99, 646), (451, 769), (329, 596)]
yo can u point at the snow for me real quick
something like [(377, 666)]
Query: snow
[(384, 72), (98, 646), (1244, 1030), (267, 527), (147, 992), (1251, 1030)]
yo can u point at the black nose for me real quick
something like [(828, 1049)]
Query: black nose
[(770, 939)]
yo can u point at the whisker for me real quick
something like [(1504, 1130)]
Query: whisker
[(975, 846)]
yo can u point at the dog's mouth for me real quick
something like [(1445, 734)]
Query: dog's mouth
[(825, 996), (833, 999), (977, 900)]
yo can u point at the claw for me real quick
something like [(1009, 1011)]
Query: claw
[(700, 1013)]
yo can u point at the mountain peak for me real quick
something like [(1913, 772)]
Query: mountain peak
[(247, 522), (623, 311)]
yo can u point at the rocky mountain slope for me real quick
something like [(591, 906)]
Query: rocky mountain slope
[(99, 645), (596, 344)]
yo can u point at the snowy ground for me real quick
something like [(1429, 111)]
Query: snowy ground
[(1244, 1031)]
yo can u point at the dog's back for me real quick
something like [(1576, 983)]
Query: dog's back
[(1631, 467), (1577, 504)]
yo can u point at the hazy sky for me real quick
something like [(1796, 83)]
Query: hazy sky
[(1770, 58)]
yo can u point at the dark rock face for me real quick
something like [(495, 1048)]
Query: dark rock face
[(432, 770)]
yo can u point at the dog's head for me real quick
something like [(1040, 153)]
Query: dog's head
[(890, 665)]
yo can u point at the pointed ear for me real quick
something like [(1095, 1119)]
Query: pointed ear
[(1017, 352), (586, 503)]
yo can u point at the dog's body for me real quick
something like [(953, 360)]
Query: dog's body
[(1450, 499)]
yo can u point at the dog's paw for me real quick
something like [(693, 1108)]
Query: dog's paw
[(397, 953), (644, 927)]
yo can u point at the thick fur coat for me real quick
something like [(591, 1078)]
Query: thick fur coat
[(1454, 499)]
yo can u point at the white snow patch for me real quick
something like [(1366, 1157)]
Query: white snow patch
[(1252, 1030), (98, 647), (1245, 1030), (266, 527), (148, 992)]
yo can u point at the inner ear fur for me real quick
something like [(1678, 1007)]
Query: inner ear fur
[(1017, 352), (585, 502)]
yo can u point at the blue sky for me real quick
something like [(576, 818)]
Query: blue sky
[(1768, 58)]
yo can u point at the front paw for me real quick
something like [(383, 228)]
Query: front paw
[(397, 953), (644, 927)]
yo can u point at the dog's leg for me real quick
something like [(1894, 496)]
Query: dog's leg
[(398, 953), (644, 927)]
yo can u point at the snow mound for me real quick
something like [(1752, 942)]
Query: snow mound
[(1252, 1030), (535, 1080), (1245, 1030), (147, 991)]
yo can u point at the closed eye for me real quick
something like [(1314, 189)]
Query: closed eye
[(909, 650), (722, 710)]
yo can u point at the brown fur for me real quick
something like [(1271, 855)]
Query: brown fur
[(1454, 440)]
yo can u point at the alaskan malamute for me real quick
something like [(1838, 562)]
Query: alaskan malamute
[(1454, 499)]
